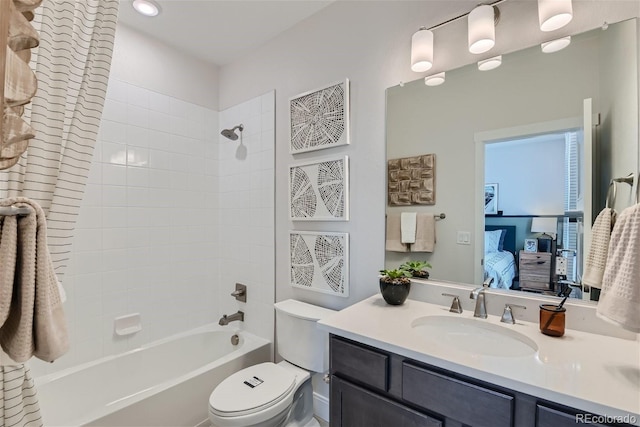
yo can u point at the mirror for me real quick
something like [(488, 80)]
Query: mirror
[(530, 94)]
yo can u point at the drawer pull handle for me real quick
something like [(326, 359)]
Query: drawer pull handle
[(540, 262)]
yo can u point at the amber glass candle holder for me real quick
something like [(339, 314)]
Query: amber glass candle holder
[(552, 320)]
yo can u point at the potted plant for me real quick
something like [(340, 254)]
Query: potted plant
[(395, 285), (417, 268)]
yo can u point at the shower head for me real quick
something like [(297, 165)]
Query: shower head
[(231, 134)]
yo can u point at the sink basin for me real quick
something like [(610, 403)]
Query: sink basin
[(478, 337)]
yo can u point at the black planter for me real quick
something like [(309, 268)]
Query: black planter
[(422, 274), (394, 293)]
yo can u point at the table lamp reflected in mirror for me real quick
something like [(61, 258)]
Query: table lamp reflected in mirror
[(548, 226)]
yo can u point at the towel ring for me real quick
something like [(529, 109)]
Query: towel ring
[(611, 194)]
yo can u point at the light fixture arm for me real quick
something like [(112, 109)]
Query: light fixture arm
[(496, 12)]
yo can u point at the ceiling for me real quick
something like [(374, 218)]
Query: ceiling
[(219, 31)]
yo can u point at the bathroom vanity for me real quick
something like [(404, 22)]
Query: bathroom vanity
[(420, 365)]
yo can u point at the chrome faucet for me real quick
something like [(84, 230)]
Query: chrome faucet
[(225, 320), (481, 307)]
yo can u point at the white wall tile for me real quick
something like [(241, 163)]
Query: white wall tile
[(137, 136), (114, 217), (112, 131), (114, 174), (168, 202), (114, 196), (137, 177)]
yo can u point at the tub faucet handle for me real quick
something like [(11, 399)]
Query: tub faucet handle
[(240, 293)]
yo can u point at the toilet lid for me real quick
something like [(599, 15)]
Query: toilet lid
[(251, 389)]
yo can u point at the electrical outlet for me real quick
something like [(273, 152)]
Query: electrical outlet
[(464, 238), (561, 266)]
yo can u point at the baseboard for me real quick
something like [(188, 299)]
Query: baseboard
[(321, 406), (205, 423)]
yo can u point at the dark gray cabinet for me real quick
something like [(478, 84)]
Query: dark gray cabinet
[(371, 387), (358, 407)]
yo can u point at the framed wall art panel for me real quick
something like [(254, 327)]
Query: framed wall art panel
[(319, 190), (319, 118), (411, 180), (319, 261), (491, 199)]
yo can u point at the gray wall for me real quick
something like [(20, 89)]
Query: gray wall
[(369, 43)]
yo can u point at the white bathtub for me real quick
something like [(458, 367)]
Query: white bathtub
[(166, 383)]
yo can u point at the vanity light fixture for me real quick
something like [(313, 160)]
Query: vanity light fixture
[(434, 79), (482, 28), (422, 50), (555, 45), (554, 14), (146, 7), (490, 64)]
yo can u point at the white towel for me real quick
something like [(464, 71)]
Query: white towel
[(425, 233), (620, 297), (597, 257), (393, 243), (408, 227)]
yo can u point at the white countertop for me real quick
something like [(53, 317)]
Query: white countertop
[(590, 372)]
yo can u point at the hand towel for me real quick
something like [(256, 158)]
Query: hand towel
[(597, 257), (393, 243), (8, 247), (620, 296), (408, 227), (425, 233), (36, 323)]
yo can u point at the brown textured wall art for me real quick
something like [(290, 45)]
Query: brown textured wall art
[(412, 180)]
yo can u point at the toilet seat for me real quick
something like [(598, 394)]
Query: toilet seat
[(265, 387)]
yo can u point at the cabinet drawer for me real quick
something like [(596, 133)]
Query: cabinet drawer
[(532, 284), (353, 406), (535, 266), (362, 364), (465, 402), (548, 417)]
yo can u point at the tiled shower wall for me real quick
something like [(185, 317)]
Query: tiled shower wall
[(148, 235), (246, 202)]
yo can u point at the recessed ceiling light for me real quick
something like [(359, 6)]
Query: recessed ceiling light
[(490, 64), (556, 45), (146, 7)]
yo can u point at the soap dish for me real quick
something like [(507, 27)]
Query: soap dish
[(128, 324)]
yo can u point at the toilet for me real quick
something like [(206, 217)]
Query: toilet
[(270, 394)]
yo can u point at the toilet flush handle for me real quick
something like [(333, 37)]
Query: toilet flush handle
[(326, 378)]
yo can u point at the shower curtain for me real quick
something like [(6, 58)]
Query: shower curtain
[(72, 65)]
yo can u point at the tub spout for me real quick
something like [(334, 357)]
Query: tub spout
[(225, 320)]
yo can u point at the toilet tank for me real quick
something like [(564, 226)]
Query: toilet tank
[(299, 339)]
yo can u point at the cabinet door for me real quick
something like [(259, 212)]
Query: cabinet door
[(353, 406)]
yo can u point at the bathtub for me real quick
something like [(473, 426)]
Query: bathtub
[(165, 383)]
